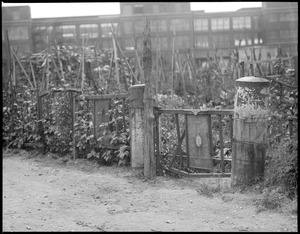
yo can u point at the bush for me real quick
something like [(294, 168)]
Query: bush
[(282, 166)]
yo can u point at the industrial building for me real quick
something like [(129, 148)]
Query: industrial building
[(274, 24)]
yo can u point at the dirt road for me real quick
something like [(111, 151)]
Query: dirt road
[(44, 194)]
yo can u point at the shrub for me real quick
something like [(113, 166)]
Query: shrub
[(282, 166)]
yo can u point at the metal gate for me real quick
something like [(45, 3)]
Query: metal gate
[(189, 139)]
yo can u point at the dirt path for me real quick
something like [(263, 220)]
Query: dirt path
[(43, 194)]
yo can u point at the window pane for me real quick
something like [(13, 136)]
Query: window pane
[(139, 26), (158, 25), (18, 33), (179, 25), (107, 27), (88, 30), (221, 40), (107, 45), (155, 8), (201, 24), (128, 27), (68, 31), (128, 44), (127, 10), (241, 22), (220, 24), (201, 42), (159, 42), (182, 42), (272, 17)]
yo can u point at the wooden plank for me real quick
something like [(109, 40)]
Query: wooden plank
[(242, 70), (221, 143), (123, 113), (158, 146), (106, 96), (187, 141), (210, 136), (178, 138), (231, 130), (209, 174), (197, 111), (268, 60), (73, 129), (199, 154)]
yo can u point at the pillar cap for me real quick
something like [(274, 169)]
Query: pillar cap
[(253, 79)]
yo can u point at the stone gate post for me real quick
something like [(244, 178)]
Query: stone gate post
[(136, 93), (249, 130)]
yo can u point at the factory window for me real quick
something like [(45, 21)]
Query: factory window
[(158, 25), (128, 44), (273, 35), (139, 26), (179, 25), (107, 27), (221, 40), (220, 24), (155, 8), (272, 17), (288, 17), (18, 33), (288, 34), (42, 33), (68, 31), (88, 30), (242, 39), (163, 8), (128, 27), (160, 42), (107, 45), (241, 22), (139, 44), (182, 42), (258, 39), (138, 9), (127, 10), (201, 41), (256, 22), (201, 24), (178, 7)]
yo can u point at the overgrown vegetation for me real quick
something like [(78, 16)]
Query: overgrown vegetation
[(90, 71)]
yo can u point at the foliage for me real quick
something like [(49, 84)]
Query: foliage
[(19, 117), (57, 123), (113, 144), (282, 166)]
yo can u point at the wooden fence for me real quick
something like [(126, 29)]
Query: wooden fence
[(101, 104)]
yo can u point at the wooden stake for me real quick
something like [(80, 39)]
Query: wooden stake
[(32, 72), (25, 73), (149, 157), (82, 66), (116, 61), (139, 64)]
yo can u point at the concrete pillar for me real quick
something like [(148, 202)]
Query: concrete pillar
[(136, 93), (249, 130)]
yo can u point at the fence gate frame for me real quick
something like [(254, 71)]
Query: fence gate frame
[(185, 135)]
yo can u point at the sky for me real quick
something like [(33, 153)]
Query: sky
[(44, 10)]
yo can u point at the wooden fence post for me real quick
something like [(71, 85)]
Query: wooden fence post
[(149, 157)]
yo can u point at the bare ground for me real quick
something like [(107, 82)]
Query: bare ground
[(41, 193)]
